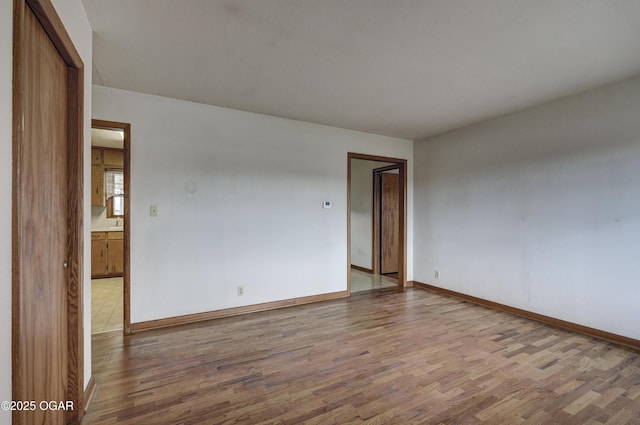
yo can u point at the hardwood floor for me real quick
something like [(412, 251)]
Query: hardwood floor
[(387, 357)]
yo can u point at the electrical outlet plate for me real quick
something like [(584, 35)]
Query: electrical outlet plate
[(240, 291), (153, 210), (436, 274)]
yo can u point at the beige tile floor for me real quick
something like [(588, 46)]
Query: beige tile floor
[(361, 281), (106, 304)]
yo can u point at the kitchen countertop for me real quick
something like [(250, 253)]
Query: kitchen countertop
[(108, 229)]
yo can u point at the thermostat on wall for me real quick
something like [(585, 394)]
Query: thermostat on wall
[(326, 204)]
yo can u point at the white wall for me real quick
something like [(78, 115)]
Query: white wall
[(539, 209), (362, 211), (256, 218), (74, 18), (6, 60)]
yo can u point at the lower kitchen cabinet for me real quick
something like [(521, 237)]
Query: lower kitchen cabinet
[(115, 255), (107, 254), (98, 257)]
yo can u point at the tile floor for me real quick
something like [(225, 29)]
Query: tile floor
[(361, 281), (106, 304)]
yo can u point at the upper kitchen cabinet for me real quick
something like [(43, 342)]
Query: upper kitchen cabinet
[(107, 165), (103, 160), (113, 159), (97, 178), (97, 186), (96, 156)]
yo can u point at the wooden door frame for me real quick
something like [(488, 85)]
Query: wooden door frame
[(126, 280), (401, 164), (54, 28), (375, 216)]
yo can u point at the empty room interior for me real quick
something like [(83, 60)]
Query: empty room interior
[(320, 212)]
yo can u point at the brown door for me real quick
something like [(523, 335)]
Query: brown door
[(389, 222), (41, 235)]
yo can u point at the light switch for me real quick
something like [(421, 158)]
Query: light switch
[(153, 210), (326, 204)]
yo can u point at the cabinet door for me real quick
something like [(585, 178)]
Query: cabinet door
[(115, 259), (98, 257), (113, 158), (97, 186), (96, 156)]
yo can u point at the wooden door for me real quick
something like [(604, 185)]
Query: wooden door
[(41, 230), (389, 222), (98, 257)]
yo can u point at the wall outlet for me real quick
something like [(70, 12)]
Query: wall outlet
[(436, 274), (153, 210), (240, 291)]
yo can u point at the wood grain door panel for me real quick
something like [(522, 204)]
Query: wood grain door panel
[(389, 223), (42, 229)]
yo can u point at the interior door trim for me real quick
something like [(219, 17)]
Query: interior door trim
[(54, 28), (126, 280), (375, 216), (401, 164)]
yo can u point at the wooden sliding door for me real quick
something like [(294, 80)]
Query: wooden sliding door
[(47, 218)]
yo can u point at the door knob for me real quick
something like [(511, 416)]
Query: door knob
[(65, 265)]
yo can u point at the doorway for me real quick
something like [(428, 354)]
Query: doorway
[(110, 233), (386, 220), (47, 229), (376, 222)]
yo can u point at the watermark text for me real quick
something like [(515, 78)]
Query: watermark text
[(32, 405)]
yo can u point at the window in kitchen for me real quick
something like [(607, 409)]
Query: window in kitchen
[(114, 187)]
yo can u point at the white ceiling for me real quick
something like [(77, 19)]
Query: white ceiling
[(404, 68)]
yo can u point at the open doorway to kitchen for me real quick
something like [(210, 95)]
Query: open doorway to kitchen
[(110, 242), (376, 222)]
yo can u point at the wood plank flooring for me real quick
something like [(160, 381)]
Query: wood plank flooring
[(384, 357)]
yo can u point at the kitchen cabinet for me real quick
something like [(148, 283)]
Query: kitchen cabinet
[(103, 159), (97, 186), (115, 254), (96, 156), (98, 253), (107, 254), (113, 159)]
